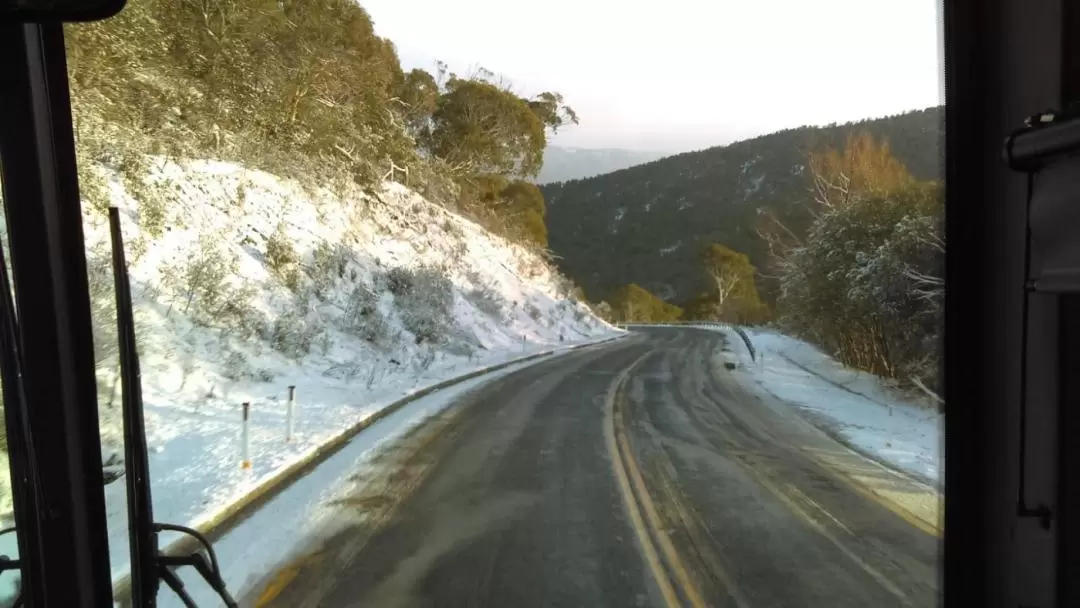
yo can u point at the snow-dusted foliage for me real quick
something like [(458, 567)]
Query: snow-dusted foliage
[(866, 283), (245, 283)]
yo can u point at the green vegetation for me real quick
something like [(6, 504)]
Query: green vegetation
[(512, 208), (670, 209), (865, 280), (305, 90), (733, 296), (634, 304), (833, 233)]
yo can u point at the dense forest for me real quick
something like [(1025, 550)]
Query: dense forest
[(833, 234), (648, 224)]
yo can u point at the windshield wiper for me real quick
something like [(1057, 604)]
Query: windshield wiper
[(20, 441), (148, 565)]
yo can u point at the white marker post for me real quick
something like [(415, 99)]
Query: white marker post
[(245, 440), (289, 413)]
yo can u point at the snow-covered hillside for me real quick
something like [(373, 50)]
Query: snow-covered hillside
[(245, 284)]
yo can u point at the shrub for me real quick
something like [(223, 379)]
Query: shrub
[(426, 306), (238, 317), (201, 280), (363, 318), (424, 359), (236, 367), (154, 201), (399, 280), (93, 188), (154, 197), (329, 262), (294, 333), (533, 312), (281, 257), (487, 301), (453, 229)]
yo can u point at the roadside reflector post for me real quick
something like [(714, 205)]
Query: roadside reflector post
[(290, 413), (245, 439)]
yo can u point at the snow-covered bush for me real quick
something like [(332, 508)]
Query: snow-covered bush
[(487, 301), (294, 333), (453, 229), (236, 367), (329, 263), (425, 300), (154, 197), (866, 283), (399, 280), (282, 259), (199, 280), (533, 311), (375, 328), (363, 319), (238, 317)]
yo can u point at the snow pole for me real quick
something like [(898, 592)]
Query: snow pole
[(290, 413), (245, 440)]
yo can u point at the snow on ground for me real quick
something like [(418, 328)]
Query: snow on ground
[(857, 407), (245, 284)]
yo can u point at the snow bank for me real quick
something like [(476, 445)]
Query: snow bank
[(857, 407)]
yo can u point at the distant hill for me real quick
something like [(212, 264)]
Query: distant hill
[(647, 224), (561, 164)]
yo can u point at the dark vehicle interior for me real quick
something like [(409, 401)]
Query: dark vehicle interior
[(1012, 484)]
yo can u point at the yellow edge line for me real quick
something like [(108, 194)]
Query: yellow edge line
[(280, 583), (838, 471), (900, 511), (630, 479)]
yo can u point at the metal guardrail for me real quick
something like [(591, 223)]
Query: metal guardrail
[(736, 328)]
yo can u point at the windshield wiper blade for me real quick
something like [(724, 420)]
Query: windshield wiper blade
[(148, 565), (24, 483)]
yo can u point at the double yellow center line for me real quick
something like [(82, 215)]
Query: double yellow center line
[(663, 561)]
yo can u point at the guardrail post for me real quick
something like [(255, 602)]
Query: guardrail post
[(245, 439), (290, 413)]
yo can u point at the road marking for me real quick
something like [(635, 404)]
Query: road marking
[(802, 514), (858, 483), (276, 586), (633, 490), (637, 522), (865, 489), (284, 577)]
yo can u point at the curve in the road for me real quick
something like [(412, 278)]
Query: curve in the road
[(641, 473)]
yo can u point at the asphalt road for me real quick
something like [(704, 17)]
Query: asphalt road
[(638, 473)]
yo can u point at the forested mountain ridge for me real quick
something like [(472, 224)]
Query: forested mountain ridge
[(648, 224)]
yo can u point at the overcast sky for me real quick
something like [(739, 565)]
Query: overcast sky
[(676, 75)]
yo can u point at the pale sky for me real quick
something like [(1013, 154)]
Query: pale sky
[(679, 75)]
